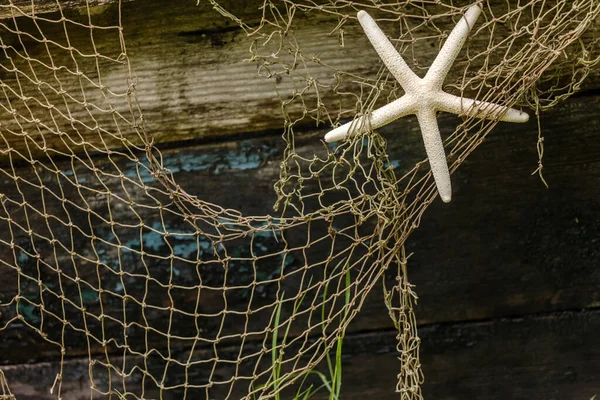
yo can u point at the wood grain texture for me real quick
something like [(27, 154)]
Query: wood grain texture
[(190, 79), (542, 357), (505, 246), (550, 357)]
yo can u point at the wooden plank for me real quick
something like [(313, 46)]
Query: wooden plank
[(191, 82), (545, 357), (548, 357), (505, 234), (528, 249), (48, 6)]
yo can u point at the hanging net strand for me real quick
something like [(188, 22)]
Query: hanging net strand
[(107, 254)]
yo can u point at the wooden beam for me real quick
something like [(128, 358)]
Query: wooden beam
[(18, 8), (190, 78)]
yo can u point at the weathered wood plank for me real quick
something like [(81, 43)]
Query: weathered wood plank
[(514, 232), (191, 80), (528, 249), (47, 6), (547, 357)]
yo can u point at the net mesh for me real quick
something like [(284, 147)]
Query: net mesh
[(170, 295), (6, 393)]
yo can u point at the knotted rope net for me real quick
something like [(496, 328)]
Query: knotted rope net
[(170, 295)]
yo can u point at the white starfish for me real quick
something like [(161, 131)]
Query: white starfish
[(425, 96)]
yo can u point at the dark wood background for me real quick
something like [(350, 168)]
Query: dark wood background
[(508, 273)]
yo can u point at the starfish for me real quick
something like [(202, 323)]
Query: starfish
[(424, 97)]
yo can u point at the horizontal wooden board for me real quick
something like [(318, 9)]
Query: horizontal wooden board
[(505, 246), (543, 357), (189, 75), (16, 7)]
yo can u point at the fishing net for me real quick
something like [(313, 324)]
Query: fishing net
[(105, 255)]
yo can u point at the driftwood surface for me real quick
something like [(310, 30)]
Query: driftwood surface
[(507, 274)]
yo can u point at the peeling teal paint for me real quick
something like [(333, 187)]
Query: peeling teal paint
[(30, 312), (393, 163), (246, 156), (287, 259), (90, 296), (181, 235), (261, 247), (22, 257), (207, 245), (264, 274), (236, 252), (268, 230), (153, 241), (133, 244), (185, 250), (270, 234), (184, 244), (228, 224), (219, 249), (112, 264)]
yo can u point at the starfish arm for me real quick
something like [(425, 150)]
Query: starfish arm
[(378, 118), (444, 60), (435, 152), (478, 109), (386, 50)]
